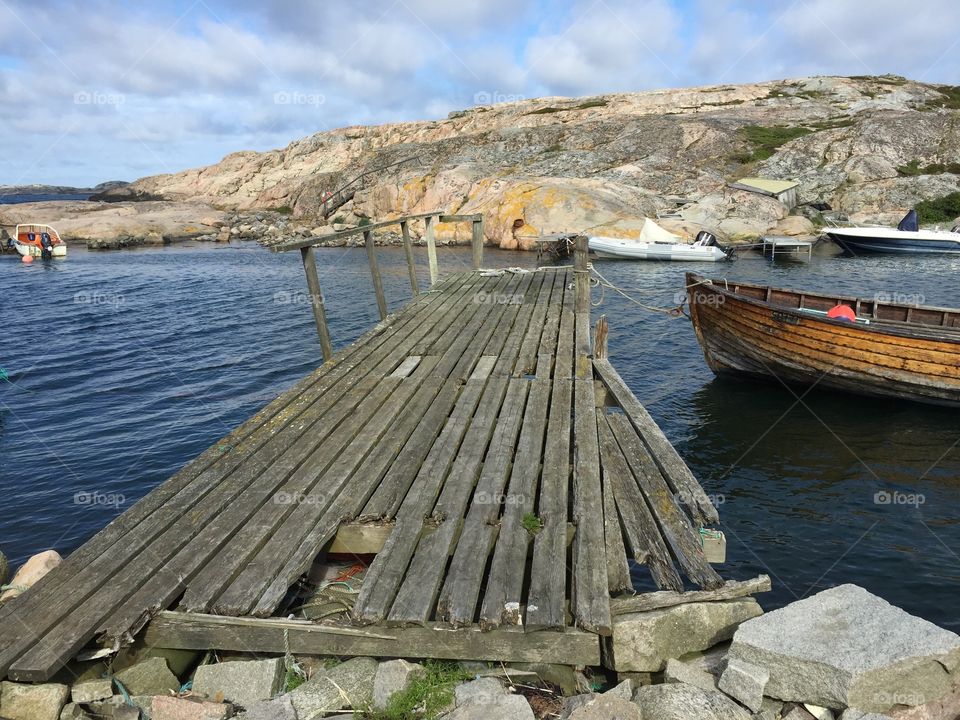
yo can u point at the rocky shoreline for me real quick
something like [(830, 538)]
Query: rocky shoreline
[(842, 654)]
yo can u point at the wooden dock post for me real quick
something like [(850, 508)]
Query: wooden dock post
[(432, 249), (408, 250), (581, 276), (477, 242), (316, 300), (375, 271)]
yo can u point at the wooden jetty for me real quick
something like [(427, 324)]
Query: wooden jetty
[(781, 247), (508, 476)]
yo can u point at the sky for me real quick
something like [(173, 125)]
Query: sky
[(93, 91)]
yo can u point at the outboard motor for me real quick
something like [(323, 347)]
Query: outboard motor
[(46, 246), (706, 238)]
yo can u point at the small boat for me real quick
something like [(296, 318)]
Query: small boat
[(853, 344), (655, 243), (40, 241), (906, 238)]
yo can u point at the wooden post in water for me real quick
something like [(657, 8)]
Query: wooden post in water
[(316, 300), (408, 250), (375, 271), (477, 242), (600, 339), (432, 249), (581, 276)]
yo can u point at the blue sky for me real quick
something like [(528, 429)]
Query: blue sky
[(100, 90)]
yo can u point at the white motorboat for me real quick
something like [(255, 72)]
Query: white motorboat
[(907, 238), (40, 241), (655, 243)]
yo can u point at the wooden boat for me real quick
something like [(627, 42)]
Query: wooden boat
[(40, 241), (889, 349)]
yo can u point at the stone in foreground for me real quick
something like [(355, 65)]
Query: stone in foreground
[(168, 707), (745, 682), (392, 677), (681, 672), (241, 682), (277, 709), (677, 701), (348, 685), (845, 647), (150, 677), (607, 707), (643, 642), (91, 691), (32, 702)]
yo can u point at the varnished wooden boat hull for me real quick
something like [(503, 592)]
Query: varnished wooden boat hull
[(746, 335)]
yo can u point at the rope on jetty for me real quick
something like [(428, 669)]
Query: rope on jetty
[(603, 282)]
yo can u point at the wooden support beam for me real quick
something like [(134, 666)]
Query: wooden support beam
[(730, 590), (431, 248), (193, 631), (600, 338), (316, 301), (408, 251), (461, 218), (375, 272), (477, 242), (581, 276), (284, 246), (682, 482)]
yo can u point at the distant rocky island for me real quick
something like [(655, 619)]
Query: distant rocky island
[(860, 148), (7, 190)]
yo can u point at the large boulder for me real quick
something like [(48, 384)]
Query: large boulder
[(241, 682), (645, 641), (32, 702), (31, 571), (677, 701), (392, 677), (845, 647), (343, 687)]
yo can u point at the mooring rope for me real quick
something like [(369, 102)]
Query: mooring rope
[(604, 282)]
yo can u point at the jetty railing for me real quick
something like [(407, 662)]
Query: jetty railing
[(306, 247)]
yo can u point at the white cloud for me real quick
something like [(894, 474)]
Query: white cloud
[(180, 85)]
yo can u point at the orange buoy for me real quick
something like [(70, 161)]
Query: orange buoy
[(842, 312), (26, 259)]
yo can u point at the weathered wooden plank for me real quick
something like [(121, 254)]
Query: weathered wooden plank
[(509, 362), (401, 451), (316, 301), (547, 595), (682, 538), (730, 590), (430, 233), (618, 570), (471, 218), (408, 252), (590, 594), (284, 246), (641, 531), (507, 569), (360, 538), (417, 594), (92, 598), (476, 241), (674, 470), (206, 632), (282, 410), (375, 274)]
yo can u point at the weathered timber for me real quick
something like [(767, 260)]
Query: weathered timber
[(375, 274), (643, 536), (730, 590), (476, 241), (286, 245), (674, 470), (202, 632), (676, 529), (431, 236), (408, 252), (316, 301)]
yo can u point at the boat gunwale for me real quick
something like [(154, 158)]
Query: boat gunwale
[(897, 328)]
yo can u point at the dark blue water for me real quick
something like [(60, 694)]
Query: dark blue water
[(123, 366)]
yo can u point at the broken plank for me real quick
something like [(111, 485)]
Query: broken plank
[(730, 590)]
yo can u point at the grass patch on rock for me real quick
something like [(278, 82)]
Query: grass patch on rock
[(949, 98), (914, 168), (764, 140), (940, 210), (427, 695)]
